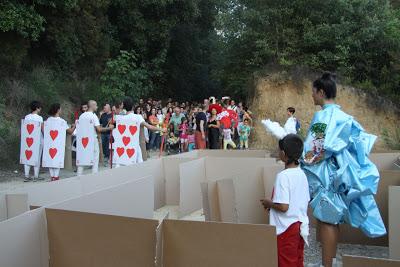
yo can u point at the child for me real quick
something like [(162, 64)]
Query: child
[(183, 127), (244, 133), (288, 206), (172, 141), (191, 141), (228, 138), (291, 125)]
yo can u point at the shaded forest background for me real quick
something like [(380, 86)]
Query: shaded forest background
[(75, 50)]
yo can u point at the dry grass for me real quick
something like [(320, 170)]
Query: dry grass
[(273, 96)]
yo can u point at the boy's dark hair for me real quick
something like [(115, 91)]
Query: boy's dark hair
[(128, 103), (54, 108), (35, 105), (292, 145), (291, 110), (327, 84), (183, 119)]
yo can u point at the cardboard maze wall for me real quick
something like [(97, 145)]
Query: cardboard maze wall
[(24, 239), (81, 232), (196, 175), (166, 186)]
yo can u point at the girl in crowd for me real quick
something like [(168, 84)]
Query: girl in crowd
[(213, 130)]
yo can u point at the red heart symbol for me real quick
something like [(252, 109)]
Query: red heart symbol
[(133, 129), (53, 134), (85, 141), (130, 152), (30, 128), (121, 128), (29, 141), (52, 152), (120, 151), (126, 140), (28, 154)]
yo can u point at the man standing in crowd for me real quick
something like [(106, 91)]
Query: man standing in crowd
[(105, 119), (176, 119), (90, 114), (200, 135)]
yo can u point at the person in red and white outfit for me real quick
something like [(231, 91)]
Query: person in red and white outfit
[(288, 205)]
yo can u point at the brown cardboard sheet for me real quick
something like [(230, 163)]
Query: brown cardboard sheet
[(16, 204), (94, 240), (385, 161), (234, 153), (227, 201), (192, 174), (394, 222), (358, 261), (352, 235), (199, 244), (171, 173), (210, 200)]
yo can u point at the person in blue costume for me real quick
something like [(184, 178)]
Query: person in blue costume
[(342, 179)]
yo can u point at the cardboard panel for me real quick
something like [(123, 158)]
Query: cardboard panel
[(192, 174), (355, 236), (394, 222), (49, 193), (227, 201), (210, 201), (188, 243), (23, 241), (171, 173), (111, 177), (358, 261), (249, 189), (385, 161), (3, 207), (233, 153), (16, 204), (194, 154), (95, 240), (131, 199), (223, 167)]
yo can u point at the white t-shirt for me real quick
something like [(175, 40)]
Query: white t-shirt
[(64, 124), (91, 116), (290, 125), (227, 134), (291, 187), (33, 117)]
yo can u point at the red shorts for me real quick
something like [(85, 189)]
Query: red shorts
[(291, 247)]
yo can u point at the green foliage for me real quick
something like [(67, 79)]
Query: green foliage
[(124, 77), (21, 18), (392, 141), (357, 38)]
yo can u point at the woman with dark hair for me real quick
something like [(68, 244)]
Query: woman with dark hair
[(213, 130), (341, 177), (55, 122)]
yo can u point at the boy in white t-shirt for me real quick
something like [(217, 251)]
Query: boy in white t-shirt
[(291, 125), (36, 108), (289, 203)]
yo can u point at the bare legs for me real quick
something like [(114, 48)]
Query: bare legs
[(329, 235)]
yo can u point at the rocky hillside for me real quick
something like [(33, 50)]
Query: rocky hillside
[(275, 92)]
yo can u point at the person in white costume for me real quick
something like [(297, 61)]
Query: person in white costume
[(36, 108), (55, 112), (90, 114)]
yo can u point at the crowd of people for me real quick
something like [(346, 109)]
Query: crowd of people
[(168, 126), (190, 125)]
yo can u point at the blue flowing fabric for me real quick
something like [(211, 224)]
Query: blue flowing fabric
[(342, 179)]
